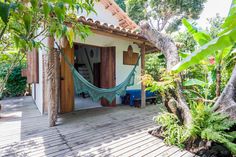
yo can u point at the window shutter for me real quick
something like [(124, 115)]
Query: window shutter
[(32, 71)]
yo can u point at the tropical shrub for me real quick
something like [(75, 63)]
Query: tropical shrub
[(154, 63), (207, 125), (16, 84), (10, 73), (173, 132), (205, 122), (163, 86), (212, 126)]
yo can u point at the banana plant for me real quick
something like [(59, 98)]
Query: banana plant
[(218, 58), (225, 40)]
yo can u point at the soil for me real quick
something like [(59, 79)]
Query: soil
[(199, 147)]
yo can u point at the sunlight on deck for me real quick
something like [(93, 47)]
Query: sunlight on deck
[(119, 131)]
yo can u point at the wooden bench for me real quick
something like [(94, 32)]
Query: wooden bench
[(133, 97)]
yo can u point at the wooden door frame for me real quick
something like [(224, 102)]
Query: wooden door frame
[(113, 75), (67, 93), (67, 82)]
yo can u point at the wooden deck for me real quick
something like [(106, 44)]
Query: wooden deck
[(119, 131)]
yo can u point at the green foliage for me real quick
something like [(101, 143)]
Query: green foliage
[(121, 3), (23, 22), (163, 86), (200, 37), (174, 133), (206, 124), (4, 9), (212, 126), (215, 25), (11, 64), (16, 84), (175, 10), (136, 10), (192, 82), (166, 15), (153, 65), (186, 43), (209, 66), (226, 39)]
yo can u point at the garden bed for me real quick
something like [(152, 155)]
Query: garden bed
[(199, 147)]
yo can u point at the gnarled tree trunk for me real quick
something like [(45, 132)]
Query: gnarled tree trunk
[(218, 80), (169, 49), (226, 103)]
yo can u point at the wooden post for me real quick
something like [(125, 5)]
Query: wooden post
[(52, 83), (143, 93), (67, 81)]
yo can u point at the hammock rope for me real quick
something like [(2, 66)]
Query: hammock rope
[(83, 86)]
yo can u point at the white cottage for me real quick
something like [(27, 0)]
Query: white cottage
[(105, 59)]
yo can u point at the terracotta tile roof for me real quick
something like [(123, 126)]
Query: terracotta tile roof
[(124, 19), (105, 27)]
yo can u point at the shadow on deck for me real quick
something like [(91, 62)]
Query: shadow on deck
[(119, 131)]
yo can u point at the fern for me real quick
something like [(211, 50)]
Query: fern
[(212, 126), (174, 133), (233, 134), (221, 137), (206, 125)]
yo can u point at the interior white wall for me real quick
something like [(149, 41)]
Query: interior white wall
[(122, 71), (82, 59), (102, 14)]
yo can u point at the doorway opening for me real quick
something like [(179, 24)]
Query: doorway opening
[(87, 61)]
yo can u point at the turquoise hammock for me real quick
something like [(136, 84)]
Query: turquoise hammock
[(83, 86)]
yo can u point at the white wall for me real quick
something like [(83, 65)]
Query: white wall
[(82, 59), (39, 86), (122, 71), (102, 15)]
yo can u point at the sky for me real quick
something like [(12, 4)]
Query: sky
[(212, 7)]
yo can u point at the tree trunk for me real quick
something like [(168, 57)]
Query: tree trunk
[(143, 92), (169, 49), (218, 80), (226, 103), (52, 83)]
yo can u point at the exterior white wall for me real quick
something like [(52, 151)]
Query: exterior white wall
[(122, 71), (105, 16), (38, 87), (102, 14)]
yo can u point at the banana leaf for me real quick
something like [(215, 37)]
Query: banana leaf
[(220, 43), (192, 82)]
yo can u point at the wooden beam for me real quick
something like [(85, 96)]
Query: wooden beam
[(143, 93)]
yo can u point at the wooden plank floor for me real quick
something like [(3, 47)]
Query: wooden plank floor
[(119, 131)]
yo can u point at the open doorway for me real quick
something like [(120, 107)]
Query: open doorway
[(87, 61)]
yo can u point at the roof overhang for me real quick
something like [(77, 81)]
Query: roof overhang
[(111, 30)]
